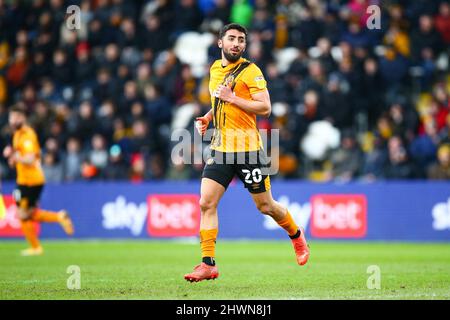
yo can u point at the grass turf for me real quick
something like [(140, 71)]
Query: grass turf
[(248, 270)]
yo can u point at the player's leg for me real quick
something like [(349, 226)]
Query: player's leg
[(268, 206), (62, 217), (24, 213), (40, 215), (254, 175), (215, 180), (210, 194)]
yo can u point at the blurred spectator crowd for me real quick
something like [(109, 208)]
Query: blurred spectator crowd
[(105, 98)]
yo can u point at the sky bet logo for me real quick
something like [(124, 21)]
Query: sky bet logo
[(166, 215)]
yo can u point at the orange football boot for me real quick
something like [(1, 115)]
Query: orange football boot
[(65, 222), (202, 272), (301, 248)]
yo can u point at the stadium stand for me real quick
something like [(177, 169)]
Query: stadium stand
[(105, 98)]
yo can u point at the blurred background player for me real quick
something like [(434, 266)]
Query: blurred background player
[(238, 94), (25, 155)]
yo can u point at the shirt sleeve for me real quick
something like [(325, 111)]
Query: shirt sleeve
[(254, 79)]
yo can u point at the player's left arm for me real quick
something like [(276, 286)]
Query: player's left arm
[(259, 105)]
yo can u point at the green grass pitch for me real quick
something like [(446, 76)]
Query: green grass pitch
[(248, 270)]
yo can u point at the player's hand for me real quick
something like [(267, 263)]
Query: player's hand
[(12, 161), (201, 123), (7, 152), (225, 93), (14, 158)]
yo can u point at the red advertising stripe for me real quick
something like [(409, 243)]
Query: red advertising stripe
[(10, 226)]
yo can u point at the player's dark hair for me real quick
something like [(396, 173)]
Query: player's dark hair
[(18, 109), (232, 26)]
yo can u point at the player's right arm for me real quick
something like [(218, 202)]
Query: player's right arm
[(259, 105), (201, 123), (8, 153)]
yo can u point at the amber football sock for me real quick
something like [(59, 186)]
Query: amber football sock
[(45, 216), (29, 231), (288, 224), (208, 243)]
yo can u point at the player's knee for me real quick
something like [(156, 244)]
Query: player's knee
[(265, 208), (24, 214), (207, 204)]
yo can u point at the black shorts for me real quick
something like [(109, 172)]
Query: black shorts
[(26, 196), (251, 168)]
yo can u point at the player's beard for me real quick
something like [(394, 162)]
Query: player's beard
[(16, 126), (231, 57)]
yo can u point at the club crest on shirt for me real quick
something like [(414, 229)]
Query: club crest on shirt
[(229, 80), (260, 82)]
